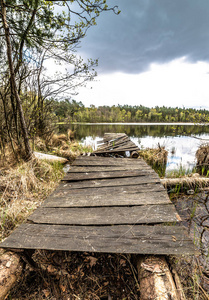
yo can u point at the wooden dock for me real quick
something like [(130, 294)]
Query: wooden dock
[(103, 204)]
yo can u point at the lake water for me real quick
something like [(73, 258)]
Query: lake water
[(181, 140)]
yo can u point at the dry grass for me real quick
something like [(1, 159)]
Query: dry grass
[(62, 145), (22, 189), (156, 157), (71, 151), (71, 135), (190, 274), (202, 156)]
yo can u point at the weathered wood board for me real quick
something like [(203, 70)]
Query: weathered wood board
[(163, 240), (108, 199), (64, 190), (118, 161), (146, 214), (89, 169), (113, 182), (108, 175), (107, 161)]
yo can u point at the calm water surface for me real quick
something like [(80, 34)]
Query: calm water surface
[(181, 141)]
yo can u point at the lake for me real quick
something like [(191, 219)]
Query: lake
[(181, 140)]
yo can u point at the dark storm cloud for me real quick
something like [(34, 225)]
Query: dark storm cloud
[(149, 31)]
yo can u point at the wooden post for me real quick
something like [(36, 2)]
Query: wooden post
[(155, 279)]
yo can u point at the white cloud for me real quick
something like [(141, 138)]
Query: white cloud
[(178, 83)]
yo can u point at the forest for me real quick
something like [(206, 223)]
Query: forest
[(73, 111)]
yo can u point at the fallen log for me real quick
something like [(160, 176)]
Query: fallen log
[(134, 154), (11, 268), (155, 279), (187, 181), (49, 157)]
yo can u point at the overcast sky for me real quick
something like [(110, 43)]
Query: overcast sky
[(156, 52)]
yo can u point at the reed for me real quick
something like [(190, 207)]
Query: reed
[(202, 156), (156, 157)]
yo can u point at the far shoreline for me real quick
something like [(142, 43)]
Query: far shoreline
[(134, 123)]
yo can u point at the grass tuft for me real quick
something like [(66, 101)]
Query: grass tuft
[(202, 156), (156, 157)]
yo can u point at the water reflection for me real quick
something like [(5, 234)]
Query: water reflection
[(181, 150), (180, 140)]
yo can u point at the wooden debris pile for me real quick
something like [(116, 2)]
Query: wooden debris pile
[(79, 275), (115, 143)]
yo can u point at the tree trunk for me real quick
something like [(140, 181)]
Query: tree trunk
[(10, 270), (155, 279), (28, 151)]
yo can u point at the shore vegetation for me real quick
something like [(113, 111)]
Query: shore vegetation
[(73, 111)]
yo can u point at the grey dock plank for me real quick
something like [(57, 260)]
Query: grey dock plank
[(113, 182), (88, 169), (106, 161), (65, 188), (108, 199), (146, 214), (109, 175), (117, 160), (163, 240)]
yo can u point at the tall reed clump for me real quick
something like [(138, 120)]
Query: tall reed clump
[(202, 156), (22, 189), (156, 157)]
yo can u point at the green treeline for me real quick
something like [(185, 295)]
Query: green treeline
[(73, 111)]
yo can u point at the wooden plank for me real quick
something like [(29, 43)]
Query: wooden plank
[(66, 188), (114, 199), (117, 160), (113, 182), (147, 214), (89, 169), (113, 175), (164, 240), (105, 163)]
